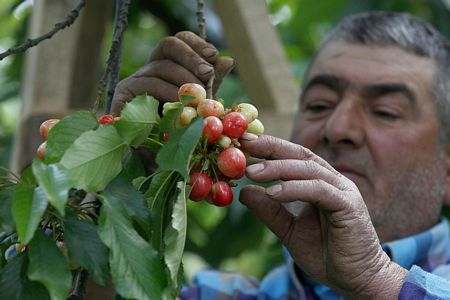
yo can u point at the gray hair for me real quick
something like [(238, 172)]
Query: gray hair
[(411, 34)]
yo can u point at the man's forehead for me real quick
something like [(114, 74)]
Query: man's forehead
[(360, 62)]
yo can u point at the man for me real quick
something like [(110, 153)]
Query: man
[(366, 175)]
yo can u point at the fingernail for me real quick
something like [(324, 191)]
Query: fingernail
[(204, 69), (209, 52), (273, 190), (256, 168), (249, 136)]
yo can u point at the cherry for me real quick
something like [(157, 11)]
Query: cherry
[(256, 127), (212, 128), (106, 119), (231, 162), (210, 107), (234, 124), (187, 115), (192, 89), (249, 111), (222, 195), (201, 186)]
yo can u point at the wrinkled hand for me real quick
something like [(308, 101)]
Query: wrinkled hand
[(331, 238), (176, 60)]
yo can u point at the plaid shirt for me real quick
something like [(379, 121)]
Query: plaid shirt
[(425, 255)]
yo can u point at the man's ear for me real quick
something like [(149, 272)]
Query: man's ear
[(447, 165)]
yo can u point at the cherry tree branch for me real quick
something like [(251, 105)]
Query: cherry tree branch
[(120, 25), (70, 18)]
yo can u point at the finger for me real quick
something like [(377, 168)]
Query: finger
[(130, 87), (271, 213), (174, 49), (168, 71), (270, 147), (316, 191), (206, 50), (293, 169), (223, 67)]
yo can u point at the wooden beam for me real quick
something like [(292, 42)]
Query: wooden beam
[(60, 75), (260, 61)]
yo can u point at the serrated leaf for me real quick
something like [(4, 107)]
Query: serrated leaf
[(136, 268), (48, 266), (177, 151), (95, 158), (54, 181), (65, 132), (6, 217), (29, 205), (85, 248), (171, 119), (175, 239), (137, 119), (14, 284), (132, 199)]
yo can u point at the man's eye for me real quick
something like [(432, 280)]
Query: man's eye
[(385, 114), (317, 107)]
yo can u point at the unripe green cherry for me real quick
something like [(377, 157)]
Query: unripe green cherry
[(187, 115), (224, 141), (256, 127), (249, 111)]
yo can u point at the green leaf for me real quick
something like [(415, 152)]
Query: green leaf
[(177, 151), (29, 205), (54, 181), (48, 266), (6, 217), (136, 268), (132, 165), (27, 176), (95, 158), (137, 119), (65, 132), (185, 98), (14, 284), (85, 248), (158, 197), (171, 119), (175, 239), (132, 199)]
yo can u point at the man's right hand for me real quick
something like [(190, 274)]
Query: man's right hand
[(176, 60)]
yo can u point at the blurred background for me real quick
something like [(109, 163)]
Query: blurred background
[(229, 239)]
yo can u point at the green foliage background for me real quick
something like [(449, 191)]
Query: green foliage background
[(231, 238)]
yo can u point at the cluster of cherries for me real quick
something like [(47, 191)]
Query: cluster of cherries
[(217, 158)]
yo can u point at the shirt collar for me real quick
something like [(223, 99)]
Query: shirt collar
[(427, 249)]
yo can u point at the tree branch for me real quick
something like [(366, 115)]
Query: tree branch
[(113, 62), (202, 32), (70, 18)]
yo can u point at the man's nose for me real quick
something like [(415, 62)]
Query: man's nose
[(345, 125)]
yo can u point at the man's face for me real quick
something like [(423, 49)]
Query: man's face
[(368, 110)]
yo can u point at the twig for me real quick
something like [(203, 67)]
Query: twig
[(201, 19), (79, 286), (114, 52), (202, 31), (70, 18)]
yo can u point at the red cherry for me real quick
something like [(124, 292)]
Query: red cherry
[(222, 195), (212, 128), (201, 186), (106, 119), (231, 162), (234, 124)]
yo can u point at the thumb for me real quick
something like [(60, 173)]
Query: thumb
[(272, 213)]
